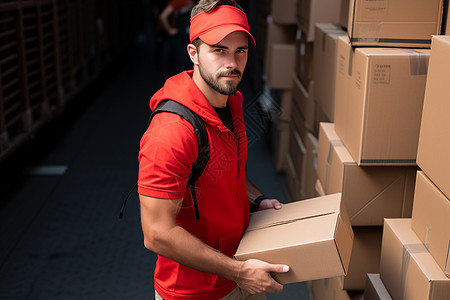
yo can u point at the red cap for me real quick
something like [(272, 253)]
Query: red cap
[(214, 26)]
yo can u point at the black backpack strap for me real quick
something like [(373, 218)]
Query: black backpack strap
[(202, 139)]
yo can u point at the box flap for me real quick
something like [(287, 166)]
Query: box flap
[(295, 211)]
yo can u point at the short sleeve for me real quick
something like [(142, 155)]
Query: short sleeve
[(168, 150)]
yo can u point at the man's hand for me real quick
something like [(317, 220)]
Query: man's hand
[(254, 276), (269, 204)]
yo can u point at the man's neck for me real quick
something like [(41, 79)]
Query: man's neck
[(214, 98)]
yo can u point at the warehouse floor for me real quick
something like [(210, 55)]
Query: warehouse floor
[(61, 192)]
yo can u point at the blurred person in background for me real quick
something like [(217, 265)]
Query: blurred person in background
[(175, 21)]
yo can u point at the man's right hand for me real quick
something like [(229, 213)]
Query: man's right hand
[(254, 276)]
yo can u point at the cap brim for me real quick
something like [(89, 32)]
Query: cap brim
[(216, 35)]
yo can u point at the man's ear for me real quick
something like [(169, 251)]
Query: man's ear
[(193, 53)]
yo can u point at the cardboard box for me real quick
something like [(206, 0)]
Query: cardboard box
[(328, 288), (324, 289), (281, 164), (356, 295), (284, 11), (365, 258), (294, 188), (305, 58), (375, 289), (378, 103), (319, 188), (297, 155), (278, 34), (407, 269), (304, 102), (325, 53), (432, 154), (343, 17), (400, 23), (320, 248), (281, 66), (369, 193), (298, 121), (310, 12), (431, 220), (319, 117), (310, 175), (286, 105)]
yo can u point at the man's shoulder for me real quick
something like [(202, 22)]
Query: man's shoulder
[(170, 127)]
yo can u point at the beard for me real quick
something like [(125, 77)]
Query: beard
[(228, 88)]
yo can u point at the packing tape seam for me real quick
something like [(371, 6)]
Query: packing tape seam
[(408, 249), (289, 221), (418, 63)]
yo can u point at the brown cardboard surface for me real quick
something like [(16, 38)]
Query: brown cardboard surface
[(305, 58), (331, 288), (277, 34), (365, 258), (370, 193), (431, 220), (282, 147), (311, 144), (407, 269), (401, 23), (320, 247), (297, 156), (319, 117), (375, 289), (325, 52), (328, 288), (286, 105), (325, 289), (343, 17), (294, 189), (304, 102), (298, 121), (378, 103), (284, 11), (311, 12), (434, 144), (281, 66), (319, 189), (356, 295)]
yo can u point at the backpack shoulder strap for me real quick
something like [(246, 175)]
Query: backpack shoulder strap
[(202, 139)]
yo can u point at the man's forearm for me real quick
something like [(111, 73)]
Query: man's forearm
[(251, 275), (186, 249)]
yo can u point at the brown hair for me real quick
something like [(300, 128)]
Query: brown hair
[(207, 6)]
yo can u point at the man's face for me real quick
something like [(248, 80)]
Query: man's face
[(221, 66)]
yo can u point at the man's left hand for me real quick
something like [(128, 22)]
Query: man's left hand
[(269, 204)]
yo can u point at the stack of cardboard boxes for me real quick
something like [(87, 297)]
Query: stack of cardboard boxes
[(415, 259), (289, 68), (358, 89), (378, 102)]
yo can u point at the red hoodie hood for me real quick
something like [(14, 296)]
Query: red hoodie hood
[(182, 89)]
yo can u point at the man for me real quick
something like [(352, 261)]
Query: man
[(195, 255)]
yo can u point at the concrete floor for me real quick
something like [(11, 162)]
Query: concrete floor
[(61, 192)]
